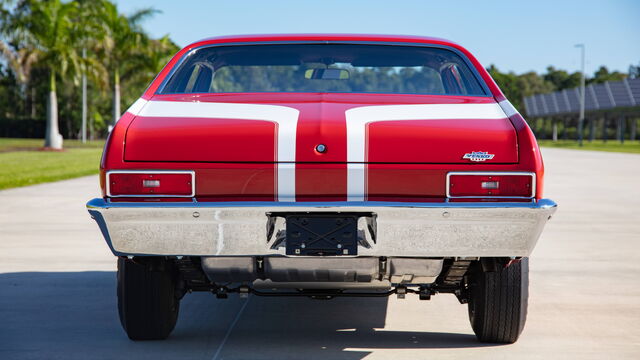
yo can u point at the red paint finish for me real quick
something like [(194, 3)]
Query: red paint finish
[(322, 122), (236, 181), (405, 181), (321, 182), (200, 140), (440, 141), (408, 160), (530, 157)]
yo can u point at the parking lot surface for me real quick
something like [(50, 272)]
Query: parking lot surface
[(58, 301)]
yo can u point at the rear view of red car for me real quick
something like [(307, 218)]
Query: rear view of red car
[(322, 166)]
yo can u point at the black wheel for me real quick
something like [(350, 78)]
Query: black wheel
[(498, 302), (147, 300)]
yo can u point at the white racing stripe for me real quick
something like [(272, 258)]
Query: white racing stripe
[(135, 108), (286, 119), (358, 118)]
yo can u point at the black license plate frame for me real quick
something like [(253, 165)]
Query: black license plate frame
[(317, 234)]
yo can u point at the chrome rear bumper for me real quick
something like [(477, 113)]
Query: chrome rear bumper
[(462, 229)]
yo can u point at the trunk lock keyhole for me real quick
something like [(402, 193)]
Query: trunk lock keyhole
[(321, 148)]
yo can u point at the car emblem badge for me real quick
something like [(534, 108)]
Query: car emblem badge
[(478, 156)]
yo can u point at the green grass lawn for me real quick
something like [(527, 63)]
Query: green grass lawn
[(21, 163), (15, 144), (598, 145)]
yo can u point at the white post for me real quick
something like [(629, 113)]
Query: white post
[(53, 139), (620, 130)]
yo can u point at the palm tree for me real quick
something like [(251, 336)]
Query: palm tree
[(147, 62), (20, 61), (52, 34), (19, 57), (91, 35), (47, 27), (124, 39)]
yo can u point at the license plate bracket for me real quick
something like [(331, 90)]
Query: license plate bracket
[(321, 234)]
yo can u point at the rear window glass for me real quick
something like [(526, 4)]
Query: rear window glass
[(326, 68)]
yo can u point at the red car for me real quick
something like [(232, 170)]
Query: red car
[(322, 166)]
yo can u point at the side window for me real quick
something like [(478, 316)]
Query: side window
[(451, 79), (199, 80), (456, 80)]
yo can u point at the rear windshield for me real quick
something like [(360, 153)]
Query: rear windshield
[(325, 68)]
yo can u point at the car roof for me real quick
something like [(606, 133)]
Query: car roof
[(324, 37)]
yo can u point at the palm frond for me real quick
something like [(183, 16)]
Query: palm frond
[(143, 14)]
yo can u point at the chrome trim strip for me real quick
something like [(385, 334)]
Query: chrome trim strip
[(193, 182), (100, 203), (500, 173)]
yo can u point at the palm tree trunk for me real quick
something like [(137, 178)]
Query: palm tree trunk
[(116, 96), (53, 138)]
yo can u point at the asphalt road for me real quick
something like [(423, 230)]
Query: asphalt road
[(57, 288)]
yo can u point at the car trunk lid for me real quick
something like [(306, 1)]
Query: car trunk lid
[(352, 128)]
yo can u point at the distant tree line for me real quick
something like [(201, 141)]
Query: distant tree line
[(292, 79)]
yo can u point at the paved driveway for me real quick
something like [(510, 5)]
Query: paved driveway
[(57, 288)]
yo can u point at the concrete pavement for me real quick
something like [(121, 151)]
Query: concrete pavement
[(57, 288)]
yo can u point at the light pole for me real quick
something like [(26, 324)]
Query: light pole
[(582, 91), (84, 97)]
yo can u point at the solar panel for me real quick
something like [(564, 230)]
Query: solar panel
[(554, 101), (543, 102), (574, 99), (563, 102), (621, 94), (527, 105), (590, 99), (605, 96), (634, 87)]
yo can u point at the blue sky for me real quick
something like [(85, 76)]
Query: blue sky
[(514, 35)]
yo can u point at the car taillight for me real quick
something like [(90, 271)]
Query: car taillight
[(498, 184), (143, 183)]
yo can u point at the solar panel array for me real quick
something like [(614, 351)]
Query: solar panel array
[(608, 95)]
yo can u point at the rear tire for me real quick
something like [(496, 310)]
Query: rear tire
[(498, 302), (147, 302)]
